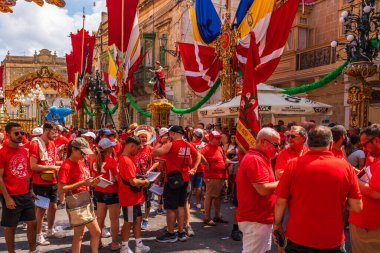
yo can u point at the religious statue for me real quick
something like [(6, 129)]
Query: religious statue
[(158, 82)]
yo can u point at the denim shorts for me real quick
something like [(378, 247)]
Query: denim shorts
[(197, 180)]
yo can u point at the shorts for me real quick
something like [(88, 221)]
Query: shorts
[(174, 198), (25, 210), (148, 197), (48, 191), (130, 213), (197, 180), (214, 187), (108, 198)]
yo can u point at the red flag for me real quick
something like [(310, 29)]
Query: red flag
[(121, 15), (70, 63), (128, 86), (262, 59), (113, 95), (80, 96), (83, 48), (201, 65), (1, 76)]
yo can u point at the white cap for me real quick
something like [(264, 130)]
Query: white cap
[(60, 128), (163, 131), (90, 134), (106, 143), (37, 131)]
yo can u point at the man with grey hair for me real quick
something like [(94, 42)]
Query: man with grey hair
[(316, 187), (255, 180), (296, 140), (339, 134)]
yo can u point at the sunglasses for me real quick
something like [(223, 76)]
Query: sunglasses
[(292, 136), (275, 145), (19, 133), (369, 141)]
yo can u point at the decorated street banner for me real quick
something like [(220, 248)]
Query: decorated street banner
[(121, 16), (1, 76), (70, 63), (208, 20), (264, 53), (242, 10), (201, 65), (83, 48), (110, 78)]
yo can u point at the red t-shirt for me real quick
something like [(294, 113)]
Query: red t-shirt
[(34, 152), (176, 159), (254, 168), (215, 158), (369, 216), (71, 173), (198, 144), (143, 159), (60, 140), (127, 170), (286, 155), (15, 163), (339, 153), (317, 186), (108, 171)]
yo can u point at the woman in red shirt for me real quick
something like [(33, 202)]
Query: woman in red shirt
[(74, 177), (107, 198)]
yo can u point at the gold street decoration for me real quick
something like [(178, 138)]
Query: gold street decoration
[(6, 6)]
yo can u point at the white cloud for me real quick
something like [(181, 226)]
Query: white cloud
[(30, 28)]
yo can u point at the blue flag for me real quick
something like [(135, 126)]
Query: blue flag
[(208, 21), (242, 10)]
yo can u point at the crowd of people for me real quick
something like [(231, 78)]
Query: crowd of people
[(301, 185)]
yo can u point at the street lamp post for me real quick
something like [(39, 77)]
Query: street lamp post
[(362, 32)]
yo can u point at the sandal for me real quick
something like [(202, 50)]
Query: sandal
[(209, 222), (220, 220)]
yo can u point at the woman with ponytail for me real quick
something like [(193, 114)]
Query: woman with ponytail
[(107, 198)]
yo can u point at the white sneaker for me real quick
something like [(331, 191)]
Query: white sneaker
[(125, 249), (55, 234), (105, 233), (42, 241), (142, 249)]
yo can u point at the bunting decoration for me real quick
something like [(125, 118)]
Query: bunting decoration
[(208, 21), (83, 48), (201, 65), (110, 78), (264, 53)]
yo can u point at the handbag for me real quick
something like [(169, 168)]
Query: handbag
[(175, 179), (80, 209), (133, 188), (47, 175)]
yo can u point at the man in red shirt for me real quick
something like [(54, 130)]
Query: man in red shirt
[(15, 197), (214, 177), (365, 226), (143, 160), (296, 139), (130, 198), (178, 154), (255, 183), (316, 187), (339, 134), (61, 143), (42, 155)]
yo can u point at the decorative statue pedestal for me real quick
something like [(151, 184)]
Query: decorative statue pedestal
[(160, 109)]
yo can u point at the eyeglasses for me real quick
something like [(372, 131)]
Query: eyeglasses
[(369, 141), (275, 145), (292, 136), (19, 133)]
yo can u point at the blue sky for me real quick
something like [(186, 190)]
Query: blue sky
[(31, 28)]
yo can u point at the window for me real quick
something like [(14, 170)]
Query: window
[(162, 55), (148, 46), (303, 35), (289, 44)]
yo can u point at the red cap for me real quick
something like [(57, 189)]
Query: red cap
[(215, 134)]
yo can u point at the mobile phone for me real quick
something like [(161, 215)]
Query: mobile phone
[(279, 238)]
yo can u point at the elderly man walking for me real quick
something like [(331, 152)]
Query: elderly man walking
[(316, 187), (255, 183)]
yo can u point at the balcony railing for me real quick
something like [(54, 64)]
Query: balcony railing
[(315, 58)]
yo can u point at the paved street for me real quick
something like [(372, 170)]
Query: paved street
[(207, 239)]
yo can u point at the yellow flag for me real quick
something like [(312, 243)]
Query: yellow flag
[(256, 12), (112, 69), (196, 34)]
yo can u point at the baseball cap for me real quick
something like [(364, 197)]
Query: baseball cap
[(177, 129), (198, 132), (106, 143), (37, 131), (163, 131), (60, 128), (215, 134), (82, 144), (105, 131), (90, 134)]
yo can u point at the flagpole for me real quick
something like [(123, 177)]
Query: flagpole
[(81, 62), (82, 74)]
